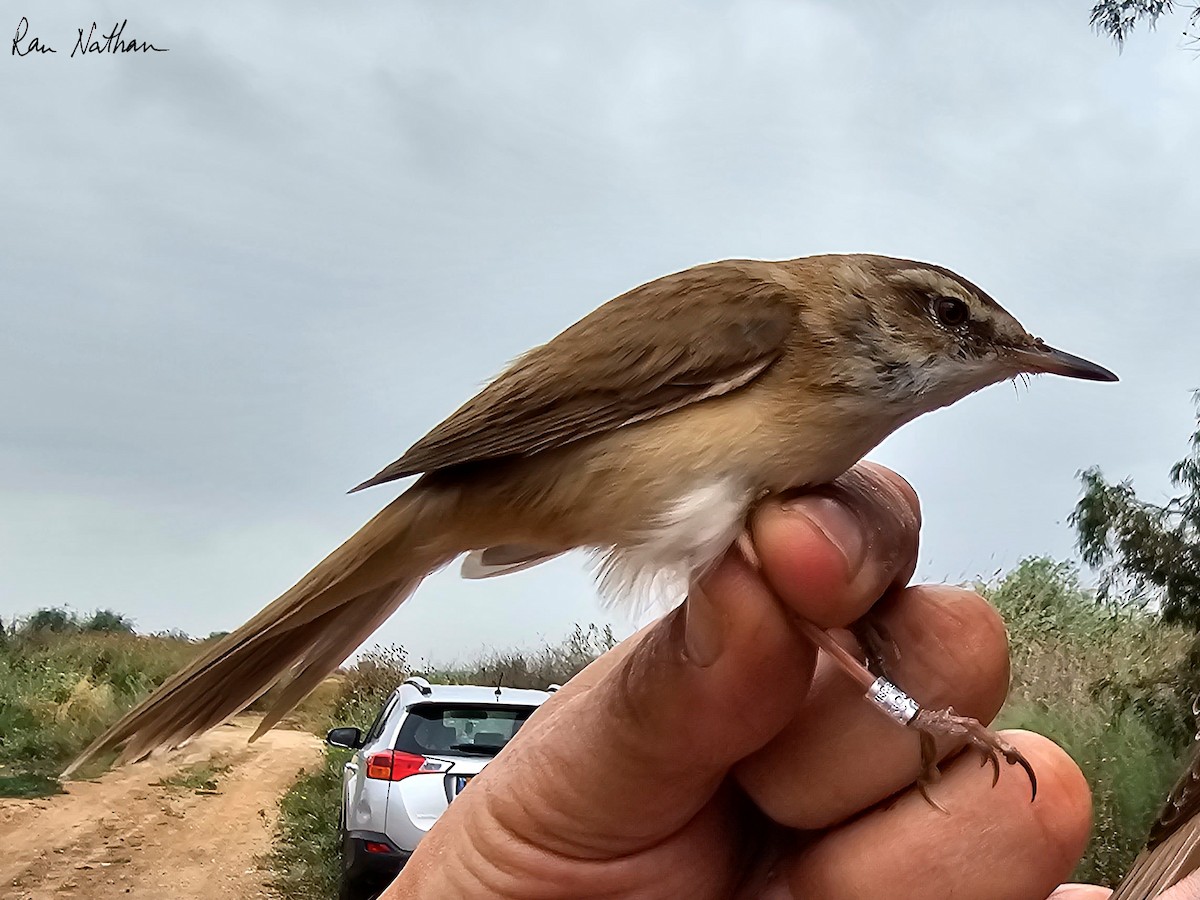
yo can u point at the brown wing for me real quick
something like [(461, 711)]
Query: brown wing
[(674, 341), (1173, 850)]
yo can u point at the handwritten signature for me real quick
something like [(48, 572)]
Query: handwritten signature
[(112, 43)]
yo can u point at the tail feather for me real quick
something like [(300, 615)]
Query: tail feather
[(370, 611), (299, 638), (1157, 869)]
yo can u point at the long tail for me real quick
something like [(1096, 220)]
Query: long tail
[(302, 636)]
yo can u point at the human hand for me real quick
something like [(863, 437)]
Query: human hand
[(1080, 892), (712, 755)]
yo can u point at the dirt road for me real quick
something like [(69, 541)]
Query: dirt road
[(123, 836)]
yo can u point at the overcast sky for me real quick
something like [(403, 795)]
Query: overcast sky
[(240, 276)]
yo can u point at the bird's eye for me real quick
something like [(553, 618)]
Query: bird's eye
[(951, 311)]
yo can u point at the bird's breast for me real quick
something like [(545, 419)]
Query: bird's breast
[(705, 460)]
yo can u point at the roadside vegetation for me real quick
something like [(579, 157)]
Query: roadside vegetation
[(303, 863), (64, 678), (1109, 685)]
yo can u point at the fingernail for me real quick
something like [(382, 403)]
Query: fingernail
[(836, 521), (704, 628)]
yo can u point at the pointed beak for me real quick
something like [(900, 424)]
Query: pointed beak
[(1044, 358)]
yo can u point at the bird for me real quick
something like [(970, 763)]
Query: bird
[(1172, 851), (645, 433)]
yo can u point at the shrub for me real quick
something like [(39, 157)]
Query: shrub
[(107, 621), (61, 686), (537, 669), (1102, 681)]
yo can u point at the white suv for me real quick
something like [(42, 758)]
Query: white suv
[(424, 746)]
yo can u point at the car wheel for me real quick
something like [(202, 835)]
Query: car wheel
[(350, 888)]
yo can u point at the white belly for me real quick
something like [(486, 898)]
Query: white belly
[(651, 573)]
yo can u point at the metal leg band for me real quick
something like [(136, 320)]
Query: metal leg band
[(893, 701)]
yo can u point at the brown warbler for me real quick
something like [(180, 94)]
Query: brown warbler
[(644, 433)]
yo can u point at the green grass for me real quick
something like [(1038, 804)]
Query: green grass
[(1129, 770), (59, 689), (28, 785), (304, 862)]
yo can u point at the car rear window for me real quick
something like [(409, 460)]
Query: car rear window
[(433, 728)]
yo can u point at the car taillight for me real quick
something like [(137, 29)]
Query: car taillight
[(394, 765)]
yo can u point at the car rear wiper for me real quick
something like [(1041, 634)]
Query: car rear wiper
[(477, 749)]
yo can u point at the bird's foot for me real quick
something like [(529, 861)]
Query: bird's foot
[(935, 723), (929, 723)]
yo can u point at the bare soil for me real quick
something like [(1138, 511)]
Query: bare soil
[(124, 836)]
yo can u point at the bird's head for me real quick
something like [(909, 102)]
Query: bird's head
[(913, 331)]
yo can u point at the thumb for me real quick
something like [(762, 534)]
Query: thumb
[(645, 735)]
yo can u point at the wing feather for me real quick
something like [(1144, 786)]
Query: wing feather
[(669, 343)]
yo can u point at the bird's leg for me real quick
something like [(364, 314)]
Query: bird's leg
[(881, 650), (889, 699)]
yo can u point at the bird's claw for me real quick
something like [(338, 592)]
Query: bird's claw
[(930, 773), (946, 723)]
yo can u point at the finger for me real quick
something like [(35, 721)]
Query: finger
[(831, 553), (1188, 889), (992, 844), (648, 744), (839, 754), (1080, 892), (595, 671)]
